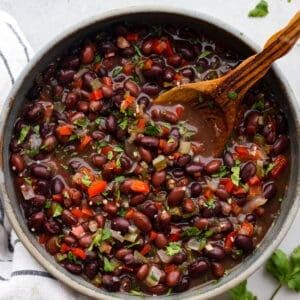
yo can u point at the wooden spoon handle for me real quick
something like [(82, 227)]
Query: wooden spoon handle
[(255, 67)]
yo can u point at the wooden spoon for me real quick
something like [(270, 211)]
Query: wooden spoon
[(228, 90)]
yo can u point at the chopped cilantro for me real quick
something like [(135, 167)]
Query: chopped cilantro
[(123, 123), (232, 95), (121, 212), (28, 180), (58, 210), (36, 129), (110, 155), (191, 232), (118, 149), (259, 103), (116, 71), (120, 178), (137, 50), (82, 122), (210, 203), (32, 152), (173, 248), (23, 134), (204, 54), (72, 258), (185, 131), (152, 129), (97, 59), (48, 203), (74, 137), (221, 173), (100, 236), (235, 176), (260, 10), (269, 168), (108, 265), (85, 180)]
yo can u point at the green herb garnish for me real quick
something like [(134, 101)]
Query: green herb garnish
[(85, 180), (221, 173), (191, 232), (240, 292), (204, 54), (235, 176), (82, 122), (286, 269), (58, 210), (173, 248), (23, 134), (260, 10), (108, 265), (116, 71), (152, 130)]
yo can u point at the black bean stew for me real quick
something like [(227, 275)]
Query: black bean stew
[(119, 190)]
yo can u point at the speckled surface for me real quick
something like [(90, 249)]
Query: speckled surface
[(42, 20)]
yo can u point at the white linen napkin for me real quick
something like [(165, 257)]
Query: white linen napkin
[(21, 277)]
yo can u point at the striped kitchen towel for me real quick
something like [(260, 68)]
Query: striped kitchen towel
[(21, 277)]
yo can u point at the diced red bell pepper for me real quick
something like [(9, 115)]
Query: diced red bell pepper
[(96, 188), (159, 46), (64, 248), (129, 213), (43, 238), (246, 229), (105, 150), (84, 141), (57, 198), (153, 235), (78, 231), (79, 253), (280, 164), (169, 49), (128, 68), (96, 95), (179, 110), (239, 191), (242, 151), (139, 186), (148, 64), (76, 212), (227, 183), (236, 209), (254, 180), (170, 268), (132, 37), (146, 249), (208, 193), (107, 81), (86, 212), (229, 240)]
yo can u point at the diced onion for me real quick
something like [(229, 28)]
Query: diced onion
[(96, 84), (27, 191), (153, 277), (164, 257), (160, 162), (131, 237), (184, 147), (116, 235), (195, 244), (254, 203), (139, 258)]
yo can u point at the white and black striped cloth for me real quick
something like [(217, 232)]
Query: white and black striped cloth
[(21, 277)]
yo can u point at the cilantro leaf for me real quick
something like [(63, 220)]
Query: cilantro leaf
[(259, 103), (285, 269), (278, 265), (191, 232), (235, 176), (260, 10), (58, 210), (100, 236), (82, 122), (240, 292), (23, 134), (173, 248), (85, 180), (221, 173), (204, 54), (116, 71), (108, 265), (152, 130)]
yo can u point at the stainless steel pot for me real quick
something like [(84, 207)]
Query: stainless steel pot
[(212, 27)]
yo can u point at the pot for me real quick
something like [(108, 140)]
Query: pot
[(208, 25)]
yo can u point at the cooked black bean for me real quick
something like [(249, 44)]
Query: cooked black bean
[(280, 145), (269, 190), (91, 269), (111, 283), (216, 253), (40, 171), (73, 268), (198, 267), (228, 159), (247, 171), (244, 242), (120, 224)]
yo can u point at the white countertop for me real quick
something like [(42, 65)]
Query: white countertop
[(41, 20)]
